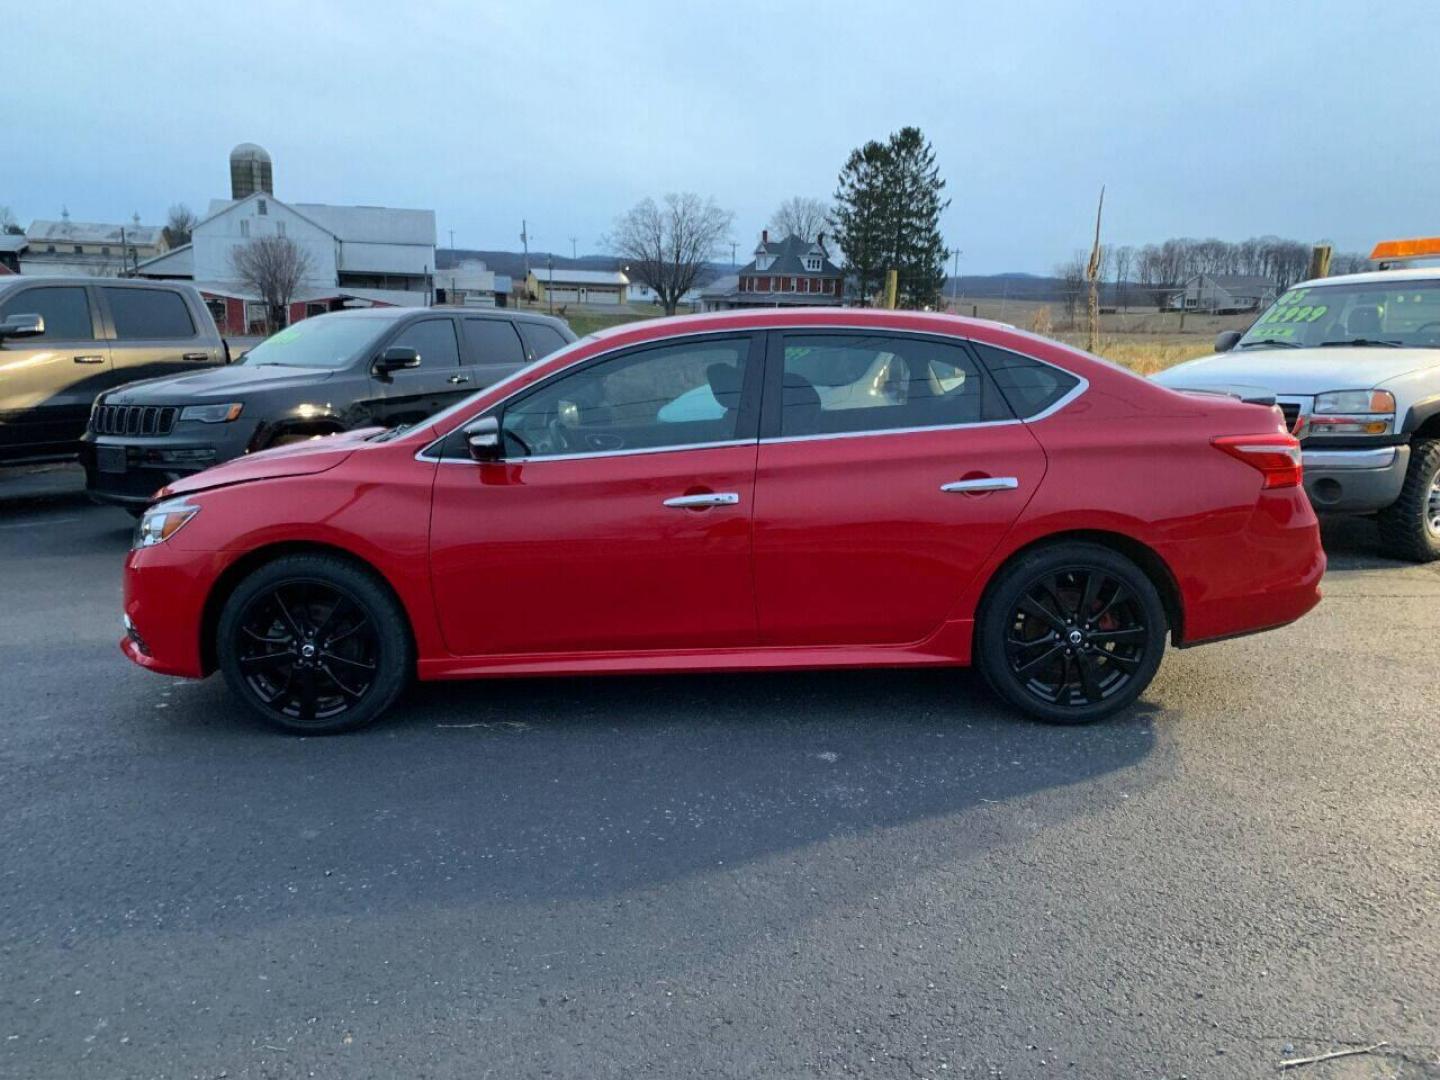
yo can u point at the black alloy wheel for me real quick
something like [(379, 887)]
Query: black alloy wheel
[(1071, 633), (314, 644)]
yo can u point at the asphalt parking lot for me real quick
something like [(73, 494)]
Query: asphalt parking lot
[(858, 874)]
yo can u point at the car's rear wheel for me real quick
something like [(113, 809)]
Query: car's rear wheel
[(1410, 527), (1071, 633), (314, 644)]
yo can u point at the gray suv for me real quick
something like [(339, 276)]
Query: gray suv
[(65, 340), (329, 373)]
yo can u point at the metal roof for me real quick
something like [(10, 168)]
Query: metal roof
[(90, 232), (12, 242), (353, 224), (562, 276)]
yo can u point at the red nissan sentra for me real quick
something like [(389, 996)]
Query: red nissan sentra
[(764, 490)]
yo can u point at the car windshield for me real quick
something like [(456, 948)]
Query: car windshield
[(317, 343), (1393, 314)]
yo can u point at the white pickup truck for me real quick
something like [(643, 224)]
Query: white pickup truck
[(1354, 363)]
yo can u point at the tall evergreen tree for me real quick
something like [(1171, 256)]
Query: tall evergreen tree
[(887, 216), (860, 216), (917, 201)]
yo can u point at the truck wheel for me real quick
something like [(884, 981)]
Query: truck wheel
[(1410, 528)]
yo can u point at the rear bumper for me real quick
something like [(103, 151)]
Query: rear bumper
[(1355, 481), (1264, 576)]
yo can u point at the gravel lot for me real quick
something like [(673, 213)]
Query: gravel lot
[(855, 874)]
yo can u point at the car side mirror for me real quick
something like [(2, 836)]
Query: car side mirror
[(395, 358), (1226, 340), (22, 326), (482, 439)]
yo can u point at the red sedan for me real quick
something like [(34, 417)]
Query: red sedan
[(741, 491)]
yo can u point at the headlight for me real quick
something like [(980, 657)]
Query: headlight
[(1353, 412), (212, 414), (162, 521)]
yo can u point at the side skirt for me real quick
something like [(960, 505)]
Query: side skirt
[(947, 647)]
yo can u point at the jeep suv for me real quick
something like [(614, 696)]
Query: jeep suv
[(350, 369), (1354, 363), (64, 340)]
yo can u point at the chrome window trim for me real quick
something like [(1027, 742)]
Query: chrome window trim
[(1082, 384), (592, 454)]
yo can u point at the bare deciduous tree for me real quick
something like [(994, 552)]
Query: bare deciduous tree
[(1072, 286), (8, 224), (179, 224), (666, 246), (274, 266), (801, 216), (1122, 261)]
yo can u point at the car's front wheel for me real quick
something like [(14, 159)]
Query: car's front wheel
[(314, 644), (1070, 633), (1410, 527)]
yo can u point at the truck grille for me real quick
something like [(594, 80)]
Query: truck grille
[(133, 419), (1291, 409)]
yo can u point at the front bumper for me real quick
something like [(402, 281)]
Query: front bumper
[(1355, 481), (128, 471)]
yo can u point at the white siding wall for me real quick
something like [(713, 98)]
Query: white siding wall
[(213, 241)]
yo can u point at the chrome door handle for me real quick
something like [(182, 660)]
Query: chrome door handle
[(197, 357), (710, 498), (983, 483), (89, 359), (456, 380)]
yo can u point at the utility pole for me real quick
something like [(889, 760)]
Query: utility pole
[(955, 280), (732, 254), (572, 248), (525, 242), (452, 239), (550, 285)]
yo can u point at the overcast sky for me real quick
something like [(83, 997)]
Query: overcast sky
[(1312, 120)]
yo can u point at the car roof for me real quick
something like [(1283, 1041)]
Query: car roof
[(393, 313), (1414, 273), (76, 279)]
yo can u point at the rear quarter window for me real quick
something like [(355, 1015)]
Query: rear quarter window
[(1028, 385), (540, 340), (143, 314)]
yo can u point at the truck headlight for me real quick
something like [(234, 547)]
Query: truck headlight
[(162, 521), (1353, 412), (213, 414)]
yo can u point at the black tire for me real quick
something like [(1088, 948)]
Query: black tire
[(1026, 644), (1410, 527), (314, 644)]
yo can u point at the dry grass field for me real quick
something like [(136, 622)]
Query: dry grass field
[(1143, 340)]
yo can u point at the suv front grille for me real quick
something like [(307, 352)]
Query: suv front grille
[(1291, 409), (133, 419)]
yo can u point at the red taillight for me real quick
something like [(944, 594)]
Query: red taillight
[(1276, 456)]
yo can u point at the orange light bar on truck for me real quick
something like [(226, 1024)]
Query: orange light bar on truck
[(1419, 247)]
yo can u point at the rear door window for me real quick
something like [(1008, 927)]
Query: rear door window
[(434, 340), (149, 314), (540, 340), (493, 341), (65, 309), (834, 384)]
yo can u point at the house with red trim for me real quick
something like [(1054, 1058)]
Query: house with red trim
[(787, 273)]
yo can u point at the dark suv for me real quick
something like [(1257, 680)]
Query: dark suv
[(64, 340), (349, 369)]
